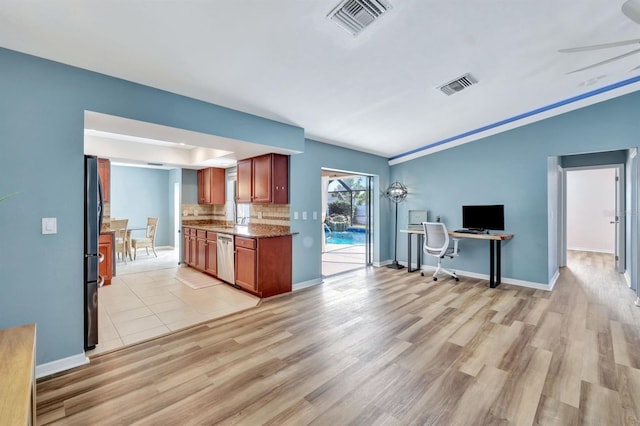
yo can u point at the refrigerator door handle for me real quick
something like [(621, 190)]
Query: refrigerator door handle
[(100, 204), (100, 280), (100, 257)]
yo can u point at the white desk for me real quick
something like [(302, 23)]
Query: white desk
[(495, 243)]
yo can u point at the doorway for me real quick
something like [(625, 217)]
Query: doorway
[(347, 219), (594, 212)]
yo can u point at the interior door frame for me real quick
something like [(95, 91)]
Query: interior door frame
[(620, 216)]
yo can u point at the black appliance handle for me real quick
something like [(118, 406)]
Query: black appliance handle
[(101, 205)]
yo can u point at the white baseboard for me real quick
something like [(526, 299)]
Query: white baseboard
[(592, 250), (504, 280), (554, 279), (305, 284), (59, 365)]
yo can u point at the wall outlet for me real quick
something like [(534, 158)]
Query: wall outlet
[(195, 212), (315, 215), (259, 215), (295, 215)]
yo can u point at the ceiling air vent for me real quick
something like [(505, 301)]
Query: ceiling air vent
[(355, 15), (458, 84)]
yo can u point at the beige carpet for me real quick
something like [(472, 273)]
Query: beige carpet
[(195, 279)]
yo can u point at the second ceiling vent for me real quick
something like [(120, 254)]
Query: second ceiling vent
[(355, 15), (460, 83)]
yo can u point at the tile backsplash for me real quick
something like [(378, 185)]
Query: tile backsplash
[(261, 214)]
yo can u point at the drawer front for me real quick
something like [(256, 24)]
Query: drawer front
[(249, 243), (212, 236), (201, 233), (187, 231)]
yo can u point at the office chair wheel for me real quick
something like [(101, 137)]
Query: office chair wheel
[(457, 279), (435, 278), (422, 274)]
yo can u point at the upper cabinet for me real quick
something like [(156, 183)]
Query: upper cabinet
[(211, 186), (263, 180), (104, 171)]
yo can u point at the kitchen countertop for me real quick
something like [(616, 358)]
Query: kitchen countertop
[(250, 231)]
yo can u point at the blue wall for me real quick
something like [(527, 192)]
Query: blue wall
[(42, 105), (305, 189), (189, 186), (511, 168), (138, 193)]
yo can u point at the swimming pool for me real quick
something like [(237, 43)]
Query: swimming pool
[(351, 236)]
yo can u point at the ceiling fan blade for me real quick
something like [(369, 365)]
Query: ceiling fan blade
[(615, 58), (600, 46), (631, 9)]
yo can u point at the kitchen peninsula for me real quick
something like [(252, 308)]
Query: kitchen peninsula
[(256, 258)]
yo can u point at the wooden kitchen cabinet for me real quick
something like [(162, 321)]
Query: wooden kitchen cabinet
[(201, 249), (106, 249), (263, 265), (263, 179), (189, 247), (245, 263), (244, 187), (211, 186), (104, 171), (211, 259), (18, 373)]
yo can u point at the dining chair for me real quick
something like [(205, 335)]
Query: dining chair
[(149, 241), (122, 243)]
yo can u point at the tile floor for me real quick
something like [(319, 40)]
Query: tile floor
[(339, 258), (149, 298)]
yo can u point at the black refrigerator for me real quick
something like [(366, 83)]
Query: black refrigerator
[(93, 205)]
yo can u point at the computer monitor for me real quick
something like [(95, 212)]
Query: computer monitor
[(483, 218)]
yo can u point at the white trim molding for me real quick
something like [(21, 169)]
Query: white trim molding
[(506, 280), (59, 365), (305, 284)]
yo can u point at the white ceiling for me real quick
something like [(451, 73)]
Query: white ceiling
[(377, 92)]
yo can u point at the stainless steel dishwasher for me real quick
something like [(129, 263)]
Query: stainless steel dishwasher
[(226, 261)]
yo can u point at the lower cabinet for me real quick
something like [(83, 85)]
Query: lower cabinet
[(245, 263), (211, 258), (263, 265), (105, 247), (189, 246), (201, 250)]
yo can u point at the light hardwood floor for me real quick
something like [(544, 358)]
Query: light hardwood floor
[(382, 347)]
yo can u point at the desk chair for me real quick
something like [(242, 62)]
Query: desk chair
[(149, 242), (436, 243)]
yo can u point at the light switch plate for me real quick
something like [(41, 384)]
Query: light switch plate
[(315, 215), (295, 215), (49, 225), (304, 215)]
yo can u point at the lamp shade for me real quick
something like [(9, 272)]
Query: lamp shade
[(396, 192)]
